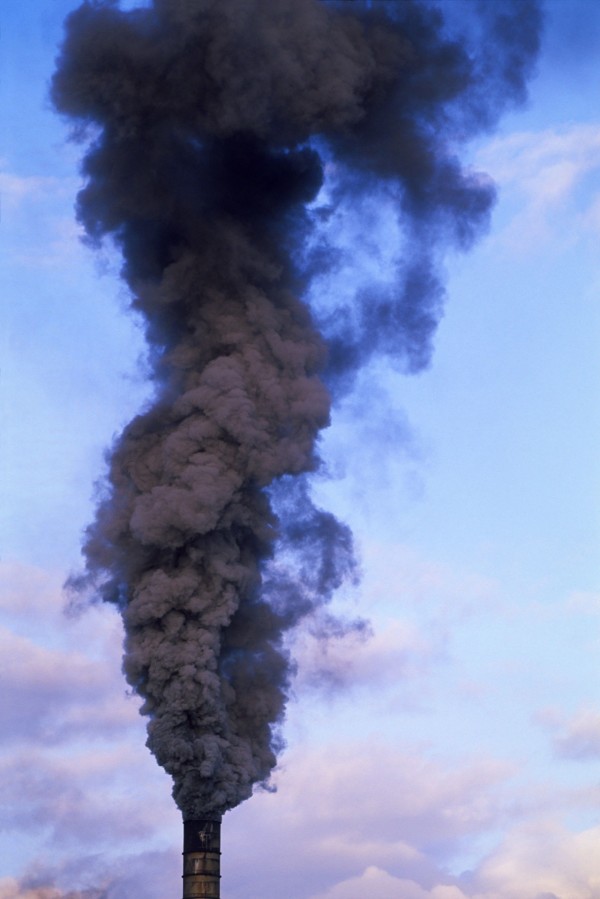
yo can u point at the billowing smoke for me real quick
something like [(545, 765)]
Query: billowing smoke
[(212, 126)]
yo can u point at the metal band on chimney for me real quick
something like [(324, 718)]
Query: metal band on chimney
[(201, 859)]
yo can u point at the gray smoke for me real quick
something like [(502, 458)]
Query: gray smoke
[(209, 124)]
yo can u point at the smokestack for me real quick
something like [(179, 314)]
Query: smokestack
[(202, 858)]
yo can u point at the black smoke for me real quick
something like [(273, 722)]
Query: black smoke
[(212, 127)]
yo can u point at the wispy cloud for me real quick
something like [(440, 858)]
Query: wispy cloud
[(539, 860), (369, 804), (576, 737), (151, 874), (48, 695), (542, 860), (545, 174), (36, 216), (364, 816), (444, 595), (389, 656), (13, 889), (74, 773), (585, 602), (15, 190)]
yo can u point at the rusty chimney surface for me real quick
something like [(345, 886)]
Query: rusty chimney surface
[(202, 858)]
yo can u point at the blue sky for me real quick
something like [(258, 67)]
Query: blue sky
[(455, 754)]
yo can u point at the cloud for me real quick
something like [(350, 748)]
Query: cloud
[(576, 738), (537, 860), (442, 595), (38, 219), (398, 658), (33, 605), (343, 809), (26, 591), (12, 889), (396, 792), (387, 657), (541, 860), (80, 799), (17, 189), (378, 884), (74, 772), (358, 816), (48, 695), (151, 874), (53, 693), (586, 602), (547, 173)]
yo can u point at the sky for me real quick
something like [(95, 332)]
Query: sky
[(452, 751)]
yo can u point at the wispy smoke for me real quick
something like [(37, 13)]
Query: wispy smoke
[(209, 124), (125, 877), (25, 889)]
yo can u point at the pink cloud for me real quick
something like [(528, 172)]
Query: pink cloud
[(33, 606), (48, 694), (151, 874), (340, 811), (83, 799), (393, 790), (61, 675), (542, 860), (25, 588), (378, 884)]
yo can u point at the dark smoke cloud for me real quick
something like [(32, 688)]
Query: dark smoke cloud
[(211, 124)]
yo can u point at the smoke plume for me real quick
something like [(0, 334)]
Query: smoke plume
[(212, 127)]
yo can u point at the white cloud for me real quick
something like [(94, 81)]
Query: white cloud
[(16, 189), (543, 172), (38, 220)]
